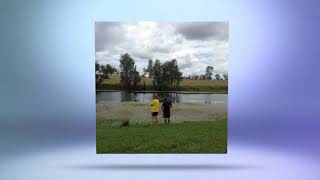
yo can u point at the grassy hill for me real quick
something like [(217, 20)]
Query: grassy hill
[(219, 86)]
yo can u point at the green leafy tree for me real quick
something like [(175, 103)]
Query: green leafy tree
[(128, 72), (114, 70), (218, 77), (149, 69), (109, 69), (225, 76), (102, 72), (103, 68), (209, 72), (99, 77), (165, 76), (156, 71), (136, 78), (143, 77), (203, 77), (97, 66)]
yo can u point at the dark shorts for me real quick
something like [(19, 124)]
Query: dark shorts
[(166, 114), (154, 113)]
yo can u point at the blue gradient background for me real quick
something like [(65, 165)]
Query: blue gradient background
[(47, 92)]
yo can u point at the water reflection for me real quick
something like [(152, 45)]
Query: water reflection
[(174, 97)]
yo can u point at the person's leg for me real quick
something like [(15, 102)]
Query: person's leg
[(152, 120), (156, 118), (165, 117), (168, 120)]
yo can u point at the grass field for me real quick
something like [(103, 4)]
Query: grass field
[(195, 128), (190, 137), (219, 86), (137, 113)]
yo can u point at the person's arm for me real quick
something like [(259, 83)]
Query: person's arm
[(151, 103)]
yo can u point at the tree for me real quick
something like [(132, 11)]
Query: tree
[(97, 66), (208, 74), (99, 77), (109, 69), (156, 72), (149, 69), (225, 76), (114, 70), (136, 78), (176, 75), (106, 70), (102, 68), (165, 75), (102, 72), (218, 77), (128, 72), (143, 76)]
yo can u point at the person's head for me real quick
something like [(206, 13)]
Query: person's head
[(155, 97), (165, 99)]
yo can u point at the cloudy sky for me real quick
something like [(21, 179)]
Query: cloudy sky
[(195, 45)]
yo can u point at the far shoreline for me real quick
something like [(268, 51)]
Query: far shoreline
[(152, 91)]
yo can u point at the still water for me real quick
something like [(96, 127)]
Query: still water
[(174, 97)]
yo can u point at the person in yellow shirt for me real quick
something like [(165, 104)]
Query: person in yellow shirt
[(154, 110)]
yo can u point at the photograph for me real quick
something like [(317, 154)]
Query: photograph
[(161, 87), (140, 90)]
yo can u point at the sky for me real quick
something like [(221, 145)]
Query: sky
[(195, 45)]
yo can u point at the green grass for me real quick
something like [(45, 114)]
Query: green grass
[(187, 137), (195, 128), (219, 86), (138, 113)]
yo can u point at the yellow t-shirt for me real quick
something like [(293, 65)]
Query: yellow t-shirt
[(155, 105)]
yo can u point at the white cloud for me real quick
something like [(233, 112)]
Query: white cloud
[(193, 46)]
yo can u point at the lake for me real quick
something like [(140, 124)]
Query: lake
[(176, 97)]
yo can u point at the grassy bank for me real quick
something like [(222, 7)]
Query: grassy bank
[(195, 128), (219, 86), (190, 137), (113, 114)]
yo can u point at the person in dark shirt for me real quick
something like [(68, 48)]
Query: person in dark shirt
[(166, 106)]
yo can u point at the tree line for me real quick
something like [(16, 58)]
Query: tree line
[(165, 76), (208, 75)]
